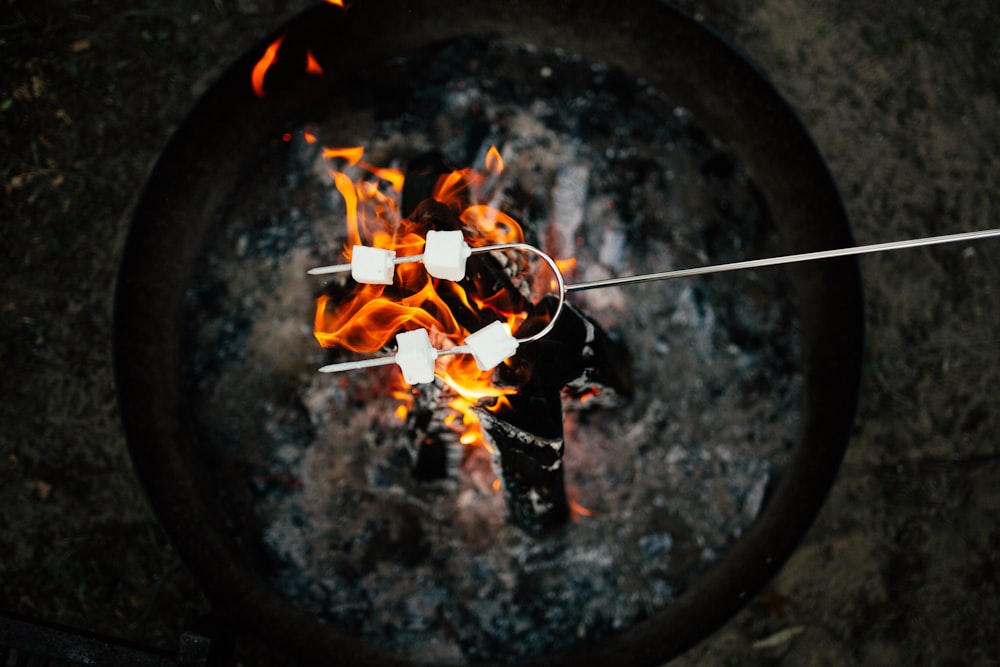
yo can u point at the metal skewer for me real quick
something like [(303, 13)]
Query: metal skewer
[(346, 268), (381, 361), (784, 259), (460, 349), (563, 289)]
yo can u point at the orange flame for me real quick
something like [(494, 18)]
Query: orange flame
[(494, 163), (576, 510), (352, 154), (260, 69), (566, 265), (404, 395), (312, 66), (393, 176), (368, 318)]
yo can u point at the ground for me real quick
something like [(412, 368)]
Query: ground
[(901, 566)]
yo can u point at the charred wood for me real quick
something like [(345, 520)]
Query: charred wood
[(526, 430), (577, 357), (527, 441), (435, 447)]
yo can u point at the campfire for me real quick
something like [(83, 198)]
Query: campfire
[(421, 512), (514, 411), (368, 515)]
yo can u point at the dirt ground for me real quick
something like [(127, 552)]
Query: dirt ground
[(902, 565)]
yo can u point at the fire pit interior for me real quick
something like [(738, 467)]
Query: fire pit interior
[(318, 470), (362, 507)]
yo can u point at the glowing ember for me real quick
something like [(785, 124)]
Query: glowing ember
[(577, 510), (368, 318)]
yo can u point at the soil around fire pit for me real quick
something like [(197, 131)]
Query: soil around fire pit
[(901, 567), (316, 470)]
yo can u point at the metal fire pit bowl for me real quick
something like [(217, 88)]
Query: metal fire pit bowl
[(727, 94)]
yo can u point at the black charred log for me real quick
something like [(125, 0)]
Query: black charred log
[(436, 450), (576, 357), (527, 439)]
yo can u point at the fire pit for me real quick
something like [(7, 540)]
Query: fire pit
[(322, 516)]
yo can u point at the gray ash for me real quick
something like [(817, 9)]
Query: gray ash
[(315, 471)]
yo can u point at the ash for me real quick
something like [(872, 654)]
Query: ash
[(314, 471)]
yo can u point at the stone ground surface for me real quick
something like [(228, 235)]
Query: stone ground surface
[(901, 566)]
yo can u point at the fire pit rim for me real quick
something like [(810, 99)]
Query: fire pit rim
[(726, 92)]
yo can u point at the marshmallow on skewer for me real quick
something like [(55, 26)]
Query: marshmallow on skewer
[(445, 254), (491, 345), (415, 356), (373, 266)]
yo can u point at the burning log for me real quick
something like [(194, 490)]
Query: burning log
[(527, 439), (577, 356), (436, 450), (577, 359), (467, 296)]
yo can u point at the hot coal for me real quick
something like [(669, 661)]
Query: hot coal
[(315, 473)]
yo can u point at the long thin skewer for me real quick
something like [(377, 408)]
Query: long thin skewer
[(461, 349), (345, 268), (564, 289), (784, 259), (381, 361)]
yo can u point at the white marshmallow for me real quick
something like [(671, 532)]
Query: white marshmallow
[(373, 266), (445, 253), (491, 345), (415, 356)]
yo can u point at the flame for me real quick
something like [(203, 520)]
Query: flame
[(368, 318), (576, 510), (260, 69), (566, 265), (312, 66), (352, 155), (404, 395), (494, 163), (394, 176), (337, 3)]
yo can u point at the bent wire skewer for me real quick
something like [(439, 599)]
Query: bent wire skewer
[(563, 289)]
